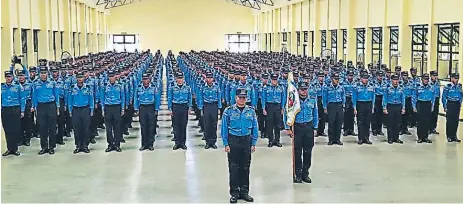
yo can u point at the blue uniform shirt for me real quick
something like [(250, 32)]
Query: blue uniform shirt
[(239, 123), (273, 94), (45, 92), (394, 95), (27, 89), (146, 96), (113, 94), (436, 87), (12, 95), (452, 92), (380, 87), (333, 94), (60, 87), (363, 93), (409, 88), (81, 96), (308, 112), (179, 95), (424, 93), (317, 87), (209, 94), (349, 87)]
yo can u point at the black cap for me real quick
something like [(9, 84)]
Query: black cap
[(264, 76), (350, 73), (209, 75), (274, 76), (380, 73), (21, 73), (111, 73), (321, 74), (455, 75), (8, 74), (241, 92), (303, 85), (335, 76), (307, 76), (32, 69), (404, 73), (54, 69), (244, 73), (413, 69), (295, 73), (365, 75), (433, 73), (145, 76), (80, 74), (43, 69), (179, 75), (425, 76), (395, 77)]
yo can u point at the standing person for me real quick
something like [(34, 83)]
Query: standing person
[(409, 90), (303, 131), (378, 116), (349, 86), (45, 99), (334, 99), (363, 100), (435, 83), (239, 134), (394, 108), (317, 87), (113, 103), (179, 100), (146, 104), (423, 104), (273, 104), (27, 121), (452, 97), (81, 107), (13, 107), (209, 103), (60, 119)]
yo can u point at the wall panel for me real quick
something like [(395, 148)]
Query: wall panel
[(344, 14), (73, 16), (13, 13), (60, 14), (447, 11), (24, 13), (419, 11), (361, 14), (312, 15), (35, 14), (376, 13), (323, 20), (305, 16), (298, 16), (394, 14), (333, 14), (284, 19), (54, 14)]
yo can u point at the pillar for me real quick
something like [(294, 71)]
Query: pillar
[(294, 48), (340, 45), (405, 38), (67, 27), (317, 33), (83, 30), (31, 61), (6, 38), (368, 45), (351, 34), (432, 42)]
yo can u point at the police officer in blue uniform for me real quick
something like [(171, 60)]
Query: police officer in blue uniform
[(423, 104), (452, 97), (409, 88), (27, 121), (415, 80), (239, 134), (209, 98), (334, 99), (378, 116), (113, 103), (349, 86), (179, 99), (303, 131), (146, 104), (61, 92), (363, 99), (13, 107), (81, 107), (243, 84), (261, 118), (274, 102), (317, 87), (435, 83), (393, 108), (45, 99)]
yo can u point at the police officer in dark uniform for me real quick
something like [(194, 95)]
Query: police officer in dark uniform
[(146, 104), (209, 100), (60, 119), (317, 86), (393, 107), (27, 121), (363, 99), (334, 99), (113, 103), (179, 99), (274, 101), (13, 107), (303, 130), (423, 104), (349, 86), (45, 99), (452, 97), (81, 106), (435, 83), (239, 134)]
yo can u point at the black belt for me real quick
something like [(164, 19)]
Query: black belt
[(364, 101), (334, 102), (51, 102), (179, 104), (303, 124), (273, 103), (80, 107), (146, 105), (212, 103), (10, 106), (112, 105), (424, 101), (453, 101), (394, 104), (230, 135)]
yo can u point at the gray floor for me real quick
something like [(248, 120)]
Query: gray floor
[(379, 173)]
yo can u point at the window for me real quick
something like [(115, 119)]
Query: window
[(54, 43), (78, 42), (360, 45), (285, 37), (304, 46), (447, 49), (24, 41), (35, 39), (377, 45), (73, 43), (61, 41), (393, 47), (344, 43), (334, 44), (298, 38), (266, 41), (14, 40), (125, 43), (312, 36), (420, 47), (239, 42), (323, 40)]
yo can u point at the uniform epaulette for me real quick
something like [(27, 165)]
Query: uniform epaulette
[(449, 85)]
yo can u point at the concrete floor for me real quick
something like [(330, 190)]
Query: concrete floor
[(379, 173)]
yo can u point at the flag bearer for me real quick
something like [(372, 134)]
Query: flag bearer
[(13, 107), (80, 106), (179, 99), (209, 102), (394, 107), (334, 99), (452, 97), (273, 104), (363, 100), (423, 104)]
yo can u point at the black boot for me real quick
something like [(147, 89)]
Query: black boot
[(306, 178), (298, 177), (246, 197)]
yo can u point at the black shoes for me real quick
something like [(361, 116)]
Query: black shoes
[(27, 143), (207, 146), (142, 148), (270, 144), (101, 127), (433, 131), (278, 144), (173, 139), (390, 141), (420, 141), (118, 149), (201, 131), (176, 147), (16, 153), (399, 141), (339, 143), (67, 134), (77, 150), (183, 147), (360, 142), (306, 179), (110, 148), (367, 142), (126, 132), (214, 146), (247, 198), (424, 141), (51, 151), (345, 133), (93, 141), (43, 151), (6, 153), (204, 138), (330, 143), (234, 199), (151, 148), (122, 140)]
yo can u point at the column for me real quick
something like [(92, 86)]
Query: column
[(405, 38), (351, 34), (317, 33), (432, 42), (67, 27), (6, 37), (83, 30), (340, 45)]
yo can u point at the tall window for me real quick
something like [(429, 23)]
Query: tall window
[(334, 44), (24, 45), (61, 41), (312, 37), (344, 43), (238, 42), (304, 46), (360, 45), (323, 40), (420, 47), (393, 46), (447, 49), (298, 41), (74, 43), (78, 42), (54, 43), (35, 36), (14, 40), (270, 39), (377, 45), (125, 42)]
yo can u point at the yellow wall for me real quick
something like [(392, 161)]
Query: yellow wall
[(47, 16), (181, 24), (317, 15)]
